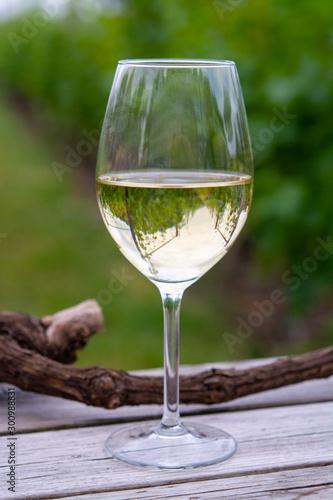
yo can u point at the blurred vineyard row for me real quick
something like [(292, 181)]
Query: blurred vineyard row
[(61, 66)]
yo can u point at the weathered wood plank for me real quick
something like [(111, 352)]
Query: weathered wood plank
[(74, 461), (313, 482), (39, 412)]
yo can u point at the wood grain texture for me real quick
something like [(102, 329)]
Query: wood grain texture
[(313, 483), (270, 440)]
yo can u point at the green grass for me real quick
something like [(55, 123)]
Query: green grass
[(57, 253)]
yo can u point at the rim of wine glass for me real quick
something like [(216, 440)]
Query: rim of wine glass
[(178, 63)]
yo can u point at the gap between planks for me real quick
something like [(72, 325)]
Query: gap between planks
[(60, 463), (285, 485)]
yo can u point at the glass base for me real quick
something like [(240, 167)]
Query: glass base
[(188, 446)]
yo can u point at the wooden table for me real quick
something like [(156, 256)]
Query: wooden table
[(285, 449)]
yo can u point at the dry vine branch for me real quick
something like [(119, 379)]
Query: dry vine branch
[(28, 367), (57, 336)]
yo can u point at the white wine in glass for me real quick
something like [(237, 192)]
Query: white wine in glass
[(174, 184)]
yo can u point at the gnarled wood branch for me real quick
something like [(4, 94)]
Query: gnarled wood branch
[(57, 336), (24, 363)]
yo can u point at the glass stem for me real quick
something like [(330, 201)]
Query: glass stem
[(171, 421)]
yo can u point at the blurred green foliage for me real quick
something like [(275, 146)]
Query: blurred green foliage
[(64, 69)]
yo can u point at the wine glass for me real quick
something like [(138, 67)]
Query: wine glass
[(174, 186)]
